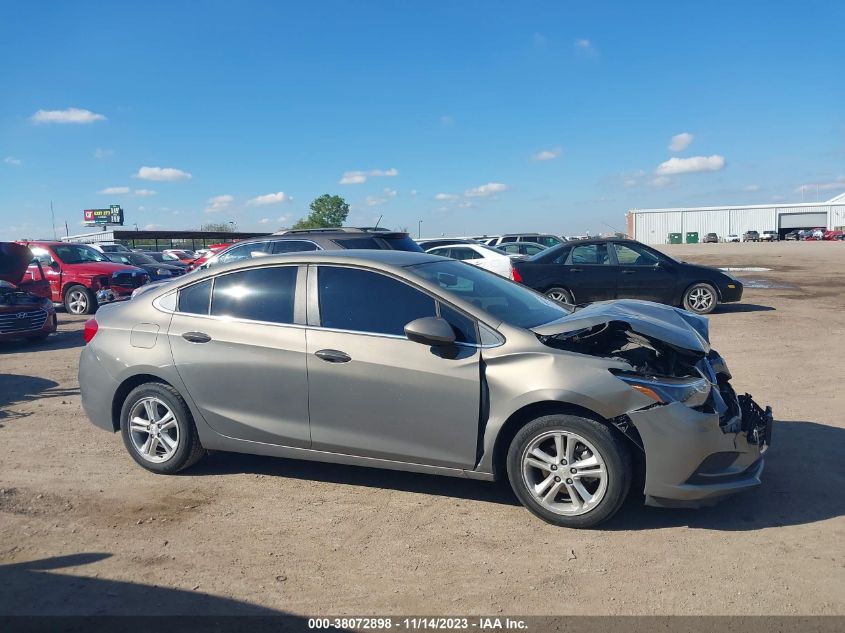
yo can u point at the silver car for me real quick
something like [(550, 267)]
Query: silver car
[(410, 361)]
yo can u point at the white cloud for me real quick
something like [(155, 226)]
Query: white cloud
[(103, 153), (113, 191), (264, 221), (269, 198), (414, 192), (284, 218), (751, 188), (547, 154), (490, 189), (373, 201), (144, 193), (11, 160), (446, 196), (585, 47), (659, 182), (690, 165), (390, 193), (360, 177), (71, 115), (466, 204), (153, 227), (680, 142), (836, 183), (447, 119), (219, 203), (162, 173)]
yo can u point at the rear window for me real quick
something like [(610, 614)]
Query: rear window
[(380, 242)]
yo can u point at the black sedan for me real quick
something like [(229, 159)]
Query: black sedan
[(157, 271), (598, 270)]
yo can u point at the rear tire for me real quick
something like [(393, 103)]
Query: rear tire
[(80, 300), (568, 470), (158, 429), (700, 298), (560, 294)]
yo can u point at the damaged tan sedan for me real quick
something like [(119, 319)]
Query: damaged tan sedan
[(410, 361)]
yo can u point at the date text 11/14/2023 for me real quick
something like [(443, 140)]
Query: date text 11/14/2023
[(420, 623)]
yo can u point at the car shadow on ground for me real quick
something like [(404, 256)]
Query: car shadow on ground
[(803, 482), (59, 340), (17, 389), (32, 588), (457, 487), (731, 308)]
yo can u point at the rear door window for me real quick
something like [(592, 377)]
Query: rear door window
[(589, 254), (364, 301), (259, 294), (293, 246), (194, 299)]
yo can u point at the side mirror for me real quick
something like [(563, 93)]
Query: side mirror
[(432, 331), (54, 265)]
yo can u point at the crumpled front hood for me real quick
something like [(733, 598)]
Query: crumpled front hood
[(678, 328), (14, 260)]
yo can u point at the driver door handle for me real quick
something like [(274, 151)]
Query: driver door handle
[(575, 270), (628, 272), (333, 356)]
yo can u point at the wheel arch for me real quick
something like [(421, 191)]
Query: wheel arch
[(526, 414), (125, 388)]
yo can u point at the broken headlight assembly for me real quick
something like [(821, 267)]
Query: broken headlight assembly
[(690, 391)]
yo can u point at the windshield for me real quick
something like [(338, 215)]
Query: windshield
[(141, 258), (78, 254), (503, 299)]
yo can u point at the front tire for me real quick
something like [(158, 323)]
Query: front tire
[(80, 300), (700, 298), (568, 470), (158, 429), (560, 294)]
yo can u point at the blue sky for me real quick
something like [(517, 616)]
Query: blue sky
[(474, 117)]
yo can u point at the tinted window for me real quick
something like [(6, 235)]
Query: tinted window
[(403, 243), (238, 253), (546, 240), (531, 249), (509, 248), (631, 255), (562, 255), (260, 294), (463, 326), (78, 254), (293, 246), (358, 242), (362, 301), (510, 238), (194, 299), (510, 302), (590, 254)]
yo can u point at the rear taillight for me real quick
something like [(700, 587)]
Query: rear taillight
[(91, 327), (515, 275)]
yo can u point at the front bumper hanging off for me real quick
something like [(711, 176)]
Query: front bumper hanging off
[(693, 461)]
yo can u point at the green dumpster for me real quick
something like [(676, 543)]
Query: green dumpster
[(692, 237), (676, 238)]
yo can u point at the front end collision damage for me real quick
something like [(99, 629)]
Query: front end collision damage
[(669, 394)]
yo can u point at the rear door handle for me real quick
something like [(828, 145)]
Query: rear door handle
[(333, 356), (196, 337), (575, 270), (628, 272)]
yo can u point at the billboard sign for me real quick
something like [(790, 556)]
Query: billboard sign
[(112, 215)]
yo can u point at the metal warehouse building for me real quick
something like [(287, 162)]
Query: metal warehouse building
[(653, 226)]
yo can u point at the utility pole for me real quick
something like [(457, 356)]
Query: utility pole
[(419, 229), (53, 220)]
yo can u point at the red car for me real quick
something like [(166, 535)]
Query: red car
[(26, 310), (833, 235), (82, 278)]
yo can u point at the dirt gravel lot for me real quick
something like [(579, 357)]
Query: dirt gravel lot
[(83, 530)]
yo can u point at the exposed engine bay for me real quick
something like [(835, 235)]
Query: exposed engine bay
[(12, 296)]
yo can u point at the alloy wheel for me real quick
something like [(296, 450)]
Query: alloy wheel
[(564, 473), (701, 299), (558, 295), (77, 301), (153, 430)]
